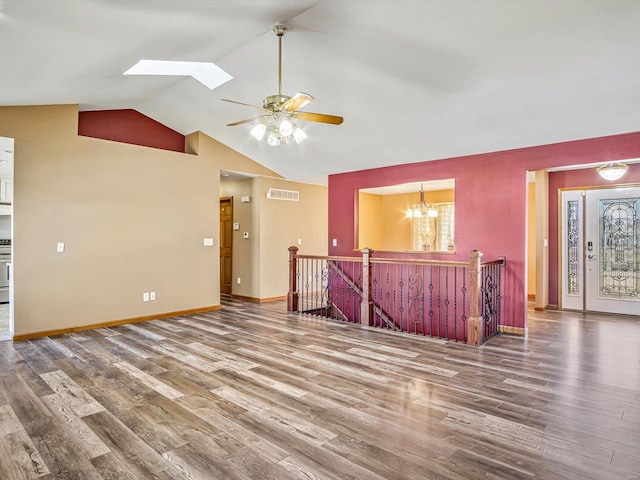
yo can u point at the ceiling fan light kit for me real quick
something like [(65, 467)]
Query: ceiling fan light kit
[(278, 122)]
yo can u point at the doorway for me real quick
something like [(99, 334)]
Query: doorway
[(6, 235), (226, 244), (601, 250)]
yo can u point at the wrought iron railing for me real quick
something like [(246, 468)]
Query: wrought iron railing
[(457, 301), (422, 298), (491, 289), (329, 287)]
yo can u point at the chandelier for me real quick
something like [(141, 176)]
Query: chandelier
[(279, 128), (612, 170), (422, 210)]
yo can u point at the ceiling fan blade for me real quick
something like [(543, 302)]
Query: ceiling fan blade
[(240, 103), (319, 117), (299, 100), (247, 120)]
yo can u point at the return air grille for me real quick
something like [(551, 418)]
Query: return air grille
[(277, 194)]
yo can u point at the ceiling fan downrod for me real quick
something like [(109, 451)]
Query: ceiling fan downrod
[(280, 30)]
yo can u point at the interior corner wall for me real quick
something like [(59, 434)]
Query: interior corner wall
[(132, 219), (531, 241), (282, 223), (245, 256), (491, 202)]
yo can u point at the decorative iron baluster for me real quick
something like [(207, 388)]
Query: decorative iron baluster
[(464, 303), (446, 302), (431, 300), (414, 298), (455, 304)]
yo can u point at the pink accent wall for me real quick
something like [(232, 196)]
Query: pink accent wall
[(129, 126), (572, 179), (491, 202)]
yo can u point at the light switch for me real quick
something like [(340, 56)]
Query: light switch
[(208, 242), (245, 235), (60, 247), (299, 241), (236, 226), (335, 242)]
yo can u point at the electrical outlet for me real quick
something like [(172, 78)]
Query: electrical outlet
[(299, 241), (60, 247), (145, 297), (238, 280), (152, 296)]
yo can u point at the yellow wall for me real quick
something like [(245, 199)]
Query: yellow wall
[(531, 239), (369, 221), (132, 219), (383, 220)]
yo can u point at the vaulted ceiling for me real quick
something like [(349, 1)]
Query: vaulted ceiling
[(414, 80)]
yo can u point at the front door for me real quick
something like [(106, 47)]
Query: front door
[(601, 250), (226, 244)]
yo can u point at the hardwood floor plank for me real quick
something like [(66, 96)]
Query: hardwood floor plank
[(252, 392), (71, 396), (149, 381), (74, 429), (130, 449), (15, 444)]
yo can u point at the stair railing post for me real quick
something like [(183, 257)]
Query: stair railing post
[(366, 305), (292, 296), (474, 324)]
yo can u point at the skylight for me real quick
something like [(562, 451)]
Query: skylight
[(207, 73)]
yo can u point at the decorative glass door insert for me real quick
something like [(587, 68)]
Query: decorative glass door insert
[(604, 263)]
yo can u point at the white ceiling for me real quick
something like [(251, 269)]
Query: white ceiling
[(414, 80)]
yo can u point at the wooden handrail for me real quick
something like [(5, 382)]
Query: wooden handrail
[(501, 261), (325, 257)]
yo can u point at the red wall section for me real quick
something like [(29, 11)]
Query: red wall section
[(571, 179), (491, 202), (129, 126)]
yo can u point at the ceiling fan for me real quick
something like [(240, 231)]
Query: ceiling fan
[(280, 111)]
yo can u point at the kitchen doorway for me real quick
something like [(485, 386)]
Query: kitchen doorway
[(601, 250), (6, 234), (226, 244)]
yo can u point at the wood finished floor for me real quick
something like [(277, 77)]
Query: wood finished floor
[(251, 392)]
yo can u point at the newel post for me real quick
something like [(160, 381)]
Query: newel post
[(474, 324), (366, 306), (292, 296)]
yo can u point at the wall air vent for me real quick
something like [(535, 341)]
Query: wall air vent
[(277, 194)]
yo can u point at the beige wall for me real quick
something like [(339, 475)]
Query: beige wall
[(132, 219), (384, 218), (273, 225), (282, 223), (531, 241)]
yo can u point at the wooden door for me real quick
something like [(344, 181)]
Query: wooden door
[(226, 244)]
